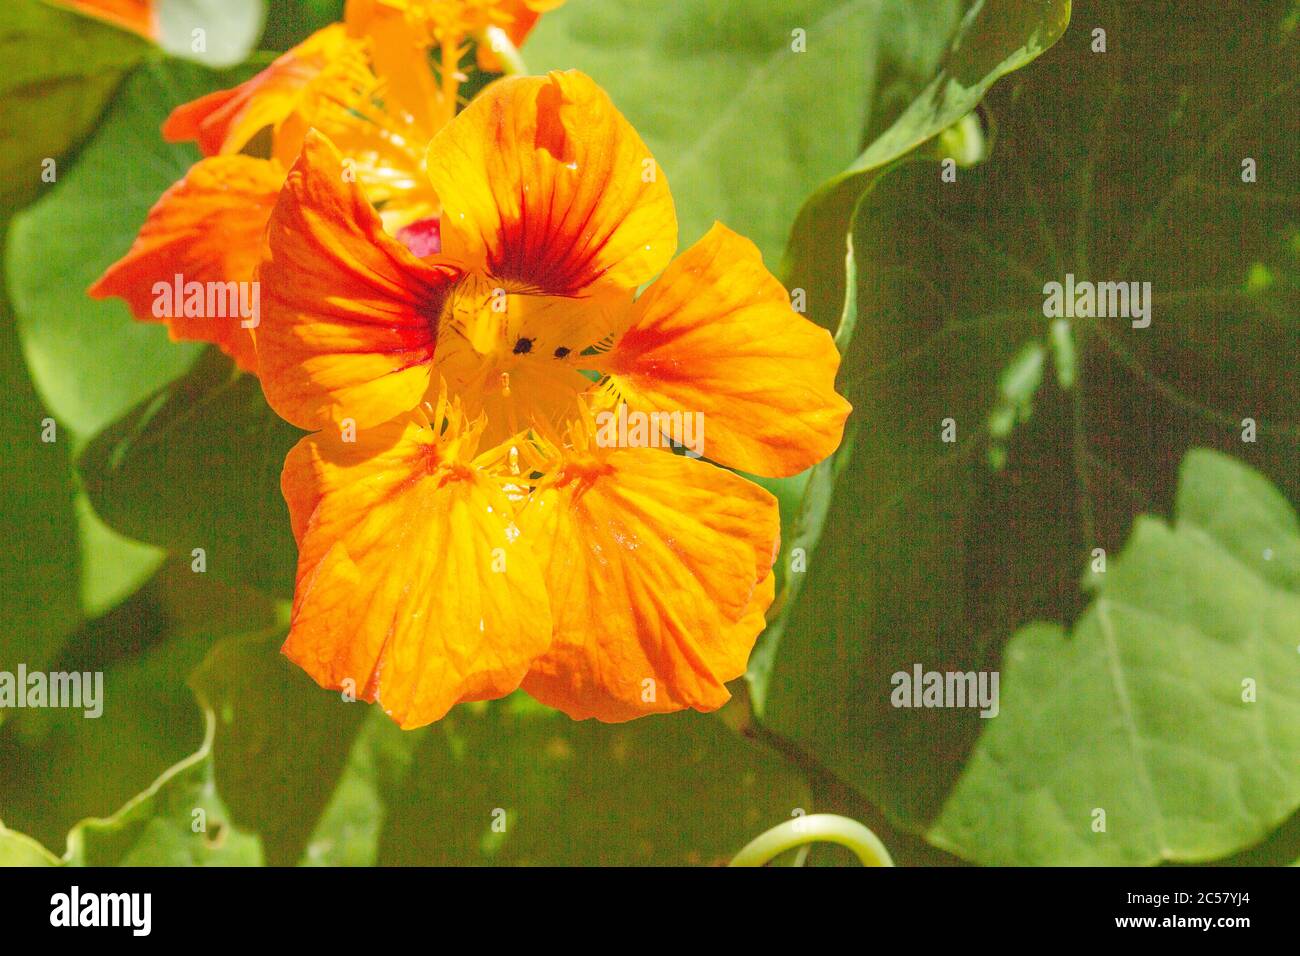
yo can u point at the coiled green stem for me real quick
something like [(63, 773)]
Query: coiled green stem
[(818, 828)]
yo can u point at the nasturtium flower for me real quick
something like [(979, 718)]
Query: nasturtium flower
[(138, 16), (368, 84), (331, 82), (457, 499), (206, 228), (445, 26)]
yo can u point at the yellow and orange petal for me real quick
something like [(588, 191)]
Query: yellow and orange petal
[(399, 55), (138, 16), (546, 187), (413, 586), (207, 228), (659, 572), (349, 314), (386, 148), (716, 334), (278, 97)]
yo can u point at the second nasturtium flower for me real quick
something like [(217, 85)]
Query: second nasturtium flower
[(208, 227), (465, 526), (444, 25), (369, 84)]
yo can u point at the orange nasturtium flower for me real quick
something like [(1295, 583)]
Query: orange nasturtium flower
[(444, 25), (465, 524), (138, 16), (208, 227)]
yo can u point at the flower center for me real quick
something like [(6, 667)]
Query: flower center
[(516, 354)]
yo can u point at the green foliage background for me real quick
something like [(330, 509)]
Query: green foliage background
[(1121, 689)]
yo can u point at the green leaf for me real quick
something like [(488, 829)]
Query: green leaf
[(16, 849), (197, 465), (1141, 712), (281, 741), (90, 360), (743, 125), (994, 38), (1123, 165), (60, 69), (40, 566), (66, 763), (179, 821), (217, 33), (113, 567), (62, 564), (350, 828), (679, 789), (289, 22)]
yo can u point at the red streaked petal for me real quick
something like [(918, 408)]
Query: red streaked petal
[(349, 315), (547, 186)]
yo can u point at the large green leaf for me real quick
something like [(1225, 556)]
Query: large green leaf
[(179, 821), (677, 789), (62, 564), (197, 465), (281, 743), (90, 360), (994, 38), (60, 69), (61, 765), (1122, 165), (40, 566), (742, 124), (1143, 712), (113, 567)]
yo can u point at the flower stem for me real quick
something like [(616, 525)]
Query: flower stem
[(496, 40), (818, 828), (450, 81)]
